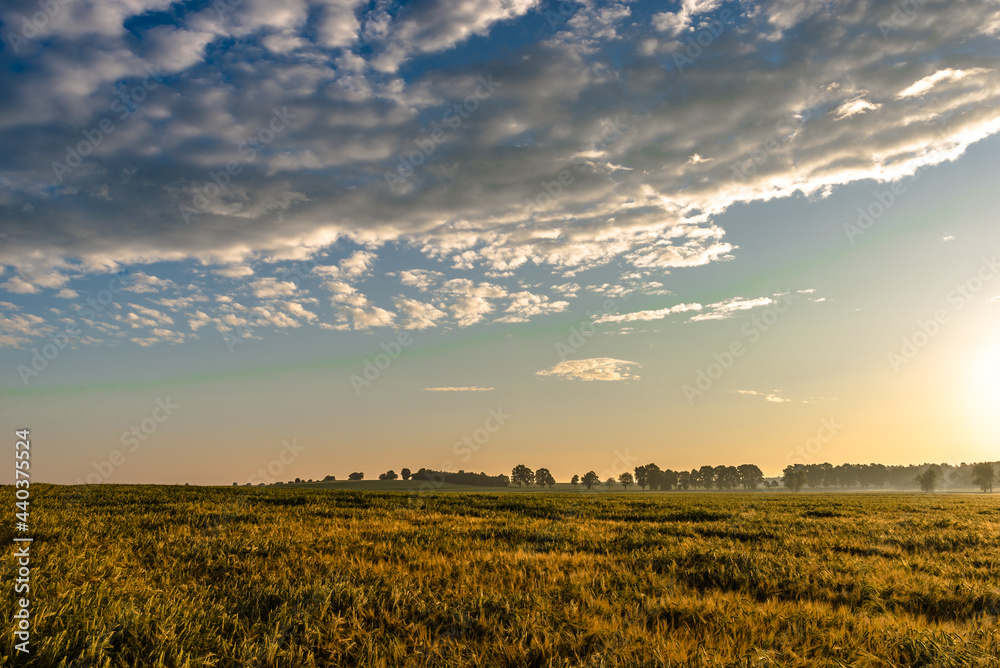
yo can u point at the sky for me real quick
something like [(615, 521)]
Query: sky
[(255, 240)]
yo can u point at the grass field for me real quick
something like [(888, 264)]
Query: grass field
[(186, 576)]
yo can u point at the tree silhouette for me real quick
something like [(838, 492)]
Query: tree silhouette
[(928, 479), (406, 473), (626, 479), (575, 481), (794, 477), (983, 476), (522, 475), (356, 476), (640, 477), (609, 483), (590, 479), (543, 478), (750, 475)]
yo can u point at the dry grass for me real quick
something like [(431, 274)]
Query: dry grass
[(180, 576)]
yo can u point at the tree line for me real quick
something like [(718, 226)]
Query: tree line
[(927, 477), (795, 477)]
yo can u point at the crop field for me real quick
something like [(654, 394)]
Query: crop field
[(185, 576)]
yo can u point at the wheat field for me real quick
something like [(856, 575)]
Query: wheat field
[(184, 576)]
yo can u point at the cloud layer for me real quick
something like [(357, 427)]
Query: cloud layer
[(412, 148)]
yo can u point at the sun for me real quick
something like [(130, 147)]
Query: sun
[(982, 396)]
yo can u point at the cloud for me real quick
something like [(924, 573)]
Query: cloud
[(18, 328), (526, 305), (418, 315), (142, 283), (730, 308), (595, 368), (655, 314), (270, 288), (930, 81), (856, 105), (647, 167), (458, 389), (774, 397)]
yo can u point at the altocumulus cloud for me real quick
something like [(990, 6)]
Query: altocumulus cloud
[(594, 368), (590, 147)]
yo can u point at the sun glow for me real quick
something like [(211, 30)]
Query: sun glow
[(982, 398)]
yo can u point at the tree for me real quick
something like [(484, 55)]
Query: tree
[(356, 476), (575, 481), (705, 477), (609, 483), (726, 477), (669, 479), (406, 473), (640, 477), (543, 478), (928, 480), (329, 478), (983, 476), (654, 477), (522, 475), (590, 479), (794, 477), (626, 479), (388, 475), (684, 480), (749, 475)]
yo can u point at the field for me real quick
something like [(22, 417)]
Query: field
[(186, 576)]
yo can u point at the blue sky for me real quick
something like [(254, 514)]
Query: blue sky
[(568, 210)]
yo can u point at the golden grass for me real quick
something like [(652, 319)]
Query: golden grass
[(181, 576)]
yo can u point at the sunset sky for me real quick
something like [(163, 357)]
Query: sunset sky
[(359, 236)]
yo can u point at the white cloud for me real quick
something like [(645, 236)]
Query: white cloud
[(271, 288), (655, 314), (856, 105), (418, 315), (595, 368), (730, 308), (930, 81), (526, 305), (142, 283)]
